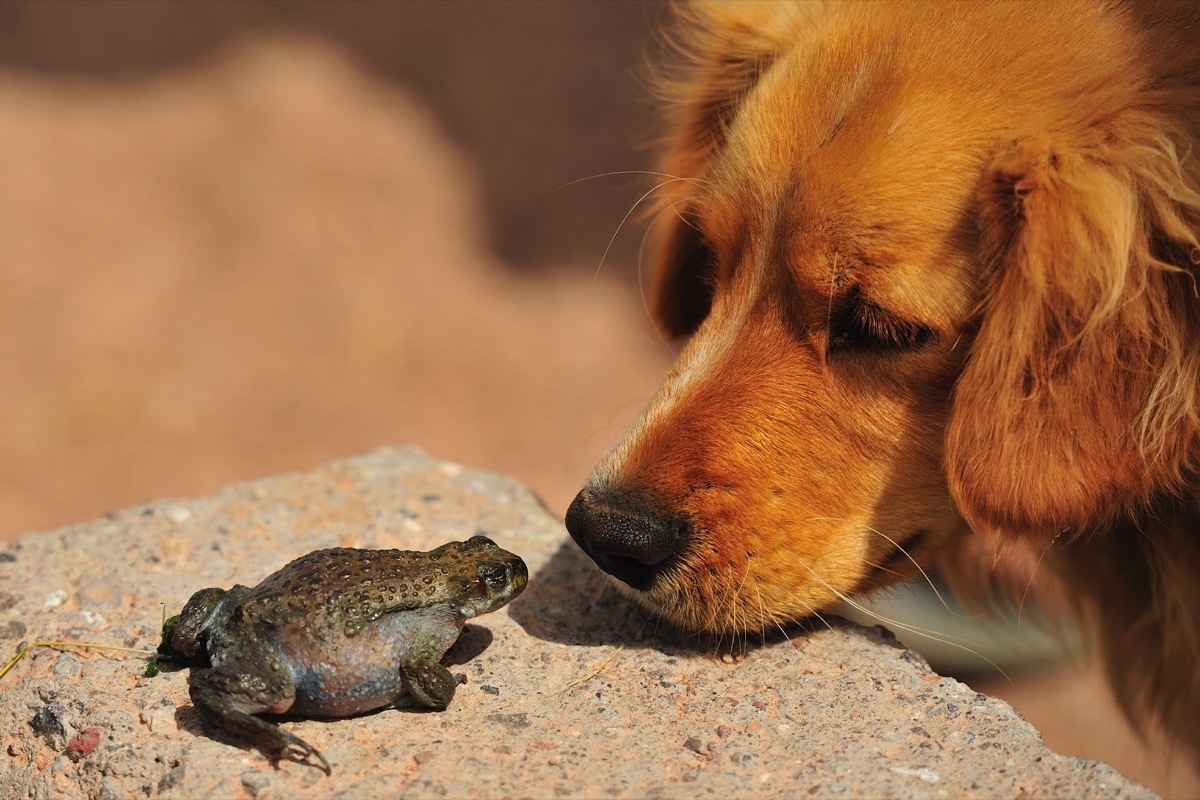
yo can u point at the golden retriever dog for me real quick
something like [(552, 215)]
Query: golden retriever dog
[(938, 266)]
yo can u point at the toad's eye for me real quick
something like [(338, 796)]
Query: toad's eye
[(857, 325), (497, 574)]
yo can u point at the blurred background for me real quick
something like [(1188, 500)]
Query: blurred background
[(240, 238)]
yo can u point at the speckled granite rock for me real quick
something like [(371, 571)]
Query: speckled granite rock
[(571, 691)]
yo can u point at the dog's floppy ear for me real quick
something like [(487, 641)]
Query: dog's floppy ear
[(724, 48), (1080, 397)]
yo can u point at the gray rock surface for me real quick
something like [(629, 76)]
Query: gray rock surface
[(573, 691)]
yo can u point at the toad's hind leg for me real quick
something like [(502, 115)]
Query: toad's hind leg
[(231, 701)]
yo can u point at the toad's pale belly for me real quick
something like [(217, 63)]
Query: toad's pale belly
[(363, 672)]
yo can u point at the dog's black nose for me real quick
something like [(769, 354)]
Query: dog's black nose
[(626, 539)]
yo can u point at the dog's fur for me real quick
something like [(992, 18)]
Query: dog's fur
[(938, 265)]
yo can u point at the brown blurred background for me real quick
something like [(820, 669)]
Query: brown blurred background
[(238, 238)]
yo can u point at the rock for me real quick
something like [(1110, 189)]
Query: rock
[(50, 723), (572, 690), (83, 744)]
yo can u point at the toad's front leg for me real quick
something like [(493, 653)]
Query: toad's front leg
[(426, 681)]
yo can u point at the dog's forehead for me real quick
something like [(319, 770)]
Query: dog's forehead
[(833, 168), (847, 135)]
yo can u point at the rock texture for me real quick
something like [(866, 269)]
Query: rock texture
[(572, 692)]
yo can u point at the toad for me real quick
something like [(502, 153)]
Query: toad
[(336, 633)]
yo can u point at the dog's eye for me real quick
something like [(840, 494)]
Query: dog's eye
[(863, 326)]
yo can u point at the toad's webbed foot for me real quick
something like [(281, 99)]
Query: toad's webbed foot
[(296, 749)]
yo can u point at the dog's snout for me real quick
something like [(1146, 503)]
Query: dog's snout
[(631, 541)]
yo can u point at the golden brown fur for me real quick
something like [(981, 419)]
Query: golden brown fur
[(938, 266)]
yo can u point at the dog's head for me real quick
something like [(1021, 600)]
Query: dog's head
[(935, 265)]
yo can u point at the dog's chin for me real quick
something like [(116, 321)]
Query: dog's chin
[(731, 609), (692, 598)]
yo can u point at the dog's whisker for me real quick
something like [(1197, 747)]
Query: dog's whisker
[(805, 609), (936, 636), (729, 602), (764, 619), (900, 548), (824, 621), (1029, 584), (832, 285), (882, 568), (641, 285), (641, 172), (668, 207), (779, 626), (620, 225)]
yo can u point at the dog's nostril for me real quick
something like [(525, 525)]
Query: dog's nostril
[(625, 540)]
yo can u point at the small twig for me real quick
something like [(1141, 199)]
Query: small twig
[(591, 674), (26, 647)]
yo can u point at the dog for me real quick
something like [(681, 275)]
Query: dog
[(936, 265)]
